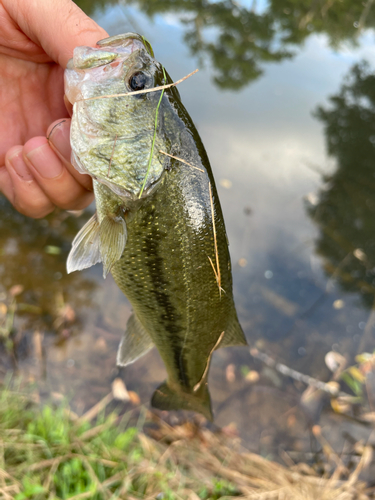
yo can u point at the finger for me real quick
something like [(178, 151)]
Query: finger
[(56, 25), (21, 189), (58, 136), (68, 105), (6, 186), (53, 177)]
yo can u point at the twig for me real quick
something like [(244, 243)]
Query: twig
[(110, 160), (363, 464), (181, 160), (196, 387), (301, 377), (93, 412), (217, 269), (329, 452), (365, 13), (144, 91)]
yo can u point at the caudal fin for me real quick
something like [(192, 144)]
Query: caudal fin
[(166, 398)]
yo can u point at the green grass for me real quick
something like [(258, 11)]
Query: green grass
[(45, 454), (49, 453)]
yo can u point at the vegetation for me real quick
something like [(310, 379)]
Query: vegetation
[(51, 453)]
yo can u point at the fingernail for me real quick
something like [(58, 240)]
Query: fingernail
[(60, 139), (44, 160), (19, 166)]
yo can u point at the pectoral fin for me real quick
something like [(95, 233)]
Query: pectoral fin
[(134, 344), (85, 247), (113, 236)]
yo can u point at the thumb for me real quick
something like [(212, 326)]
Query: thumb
[(57, 26)]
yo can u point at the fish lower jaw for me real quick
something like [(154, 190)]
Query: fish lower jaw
[(128, 195)]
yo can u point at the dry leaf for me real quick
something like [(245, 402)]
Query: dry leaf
[(119, 390), (16, 290), (357, 374), (230, 373), (134, 398), (3, 309), (100, 344), (340, 407), (252, 377), (334, 361)]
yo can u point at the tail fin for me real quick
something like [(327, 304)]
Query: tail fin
[(166, 398)]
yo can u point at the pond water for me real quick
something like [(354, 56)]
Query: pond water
[(284, 101)]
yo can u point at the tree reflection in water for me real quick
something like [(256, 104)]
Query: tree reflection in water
[(238, 39), (346, 209)]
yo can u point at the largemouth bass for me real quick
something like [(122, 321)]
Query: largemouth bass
[(159, 227)]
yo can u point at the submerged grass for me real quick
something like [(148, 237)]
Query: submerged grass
[(48, 453)]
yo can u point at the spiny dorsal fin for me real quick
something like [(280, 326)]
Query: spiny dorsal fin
[(113, 236), (233, 334), (85, 247), (134, 344)]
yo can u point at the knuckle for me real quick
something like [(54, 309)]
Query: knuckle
[(35, 208), (79, 198)]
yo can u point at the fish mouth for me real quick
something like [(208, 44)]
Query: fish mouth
[(124, 44), (129, 196)]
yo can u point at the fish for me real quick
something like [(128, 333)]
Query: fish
[(158, 226)]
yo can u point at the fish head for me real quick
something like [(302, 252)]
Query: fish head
[(112, 134)]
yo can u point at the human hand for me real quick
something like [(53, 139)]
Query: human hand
[(37, 39)]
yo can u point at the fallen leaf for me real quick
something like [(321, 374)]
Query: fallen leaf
[(134, 398), (119, 390), (252, 376), (230, 373), (3, 309), (16, 290)]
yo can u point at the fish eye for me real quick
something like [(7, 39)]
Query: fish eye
[(138, 81)]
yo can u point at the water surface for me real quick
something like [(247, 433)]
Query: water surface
[(285, 104)]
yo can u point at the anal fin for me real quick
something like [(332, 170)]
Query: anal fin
[(134, 344), (233, 335), (85, 247)]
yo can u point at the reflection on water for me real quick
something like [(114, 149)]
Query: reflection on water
[(299, 216), (345, 211), (238, 38), (341, 21), (234, 38), (33, 281)]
